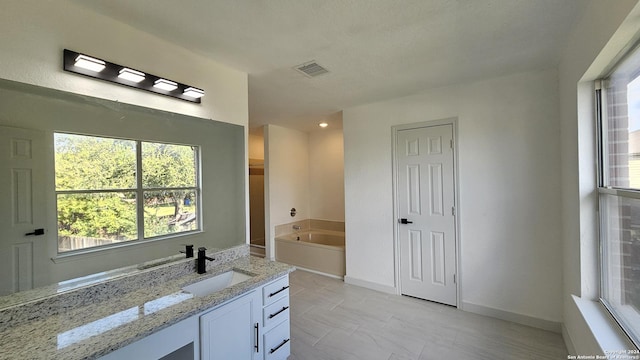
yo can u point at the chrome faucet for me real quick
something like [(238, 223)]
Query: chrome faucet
[(202, 260)]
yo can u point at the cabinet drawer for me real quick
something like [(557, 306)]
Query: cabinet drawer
[(275, 313), (277, 342), (275, 290)]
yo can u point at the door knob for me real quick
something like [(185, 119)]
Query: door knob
[(405, 221), (35, 232)]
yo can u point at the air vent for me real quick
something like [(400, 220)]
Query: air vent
[(311, 69)]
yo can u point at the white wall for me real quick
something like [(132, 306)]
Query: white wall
[(326, 174), (603, 31), (508, 142), (33, 34), (286, 178)]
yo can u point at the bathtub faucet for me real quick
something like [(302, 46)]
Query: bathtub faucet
[(297, 227)]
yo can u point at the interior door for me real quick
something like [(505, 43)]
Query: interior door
[(23, 245), (426, 236)]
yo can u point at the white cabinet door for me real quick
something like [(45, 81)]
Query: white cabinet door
[(232, 330)]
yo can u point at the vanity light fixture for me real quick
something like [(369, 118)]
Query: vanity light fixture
[(89, 63), (166, 85), (96, 68), (131, 75), (193, 92), (323, 124)]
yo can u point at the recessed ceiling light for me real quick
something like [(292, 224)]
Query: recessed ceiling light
[(131, 75), (193, 92), (89, 63), (323, 124), (165, 84)]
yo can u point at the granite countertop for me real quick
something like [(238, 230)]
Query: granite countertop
[(95, 320)]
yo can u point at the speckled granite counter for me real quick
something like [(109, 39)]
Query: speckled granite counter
[(92, 321)]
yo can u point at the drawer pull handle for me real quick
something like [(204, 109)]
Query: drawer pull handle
[(279, 346), (257, 346), (279, 291), (278, 312)]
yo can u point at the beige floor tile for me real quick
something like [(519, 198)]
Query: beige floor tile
[(391, 341), (345, 346), (331, 320)]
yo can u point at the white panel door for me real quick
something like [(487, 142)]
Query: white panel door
[(22, 257), (426, 236)]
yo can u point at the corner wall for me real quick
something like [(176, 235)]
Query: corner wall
[(286, 179), (508, 144), (326, 175)]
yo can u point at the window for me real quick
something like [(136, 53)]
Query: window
[(110, 191), (619, 193)]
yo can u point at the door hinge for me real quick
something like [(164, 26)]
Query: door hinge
[(453, 211), (451, 143), (454, 278)]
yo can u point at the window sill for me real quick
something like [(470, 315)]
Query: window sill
[(607, 333), (102, 250)]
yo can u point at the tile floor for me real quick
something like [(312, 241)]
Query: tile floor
[(331, 320)]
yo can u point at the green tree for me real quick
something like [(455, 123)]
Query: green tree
[(93, 166), (92, 163), (167, 165), (108, 216)]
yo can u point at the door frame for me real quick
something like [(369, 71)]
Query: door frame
[(456, 194)]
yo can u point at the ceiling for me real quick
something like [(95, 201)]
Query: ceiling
[(373, 49)]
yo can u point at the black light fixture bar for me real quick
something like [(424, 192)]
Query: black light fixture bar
[(110, 72)]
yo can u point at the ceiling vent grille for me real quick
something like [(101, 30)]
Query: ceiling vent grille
[(311, 69)]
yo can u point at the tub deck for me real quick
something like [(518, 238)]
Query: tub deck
[(315, 250)]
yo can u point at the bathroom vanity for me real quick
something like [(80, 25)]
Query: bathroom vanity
[(251, 326), (239, 309)]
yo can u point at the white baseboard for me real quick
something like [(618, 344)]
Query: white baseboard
[(370, 285), (543, 324), (567, 340), (319, 272)]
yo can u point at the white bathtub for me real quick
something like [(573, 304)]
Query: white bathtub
[(316, 250)]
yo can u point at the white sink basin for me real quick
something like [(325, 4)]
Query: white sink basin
[(216, 283)]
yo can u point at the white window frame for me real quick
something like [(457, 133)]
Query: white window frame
[(139, 190), (604, 189)]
